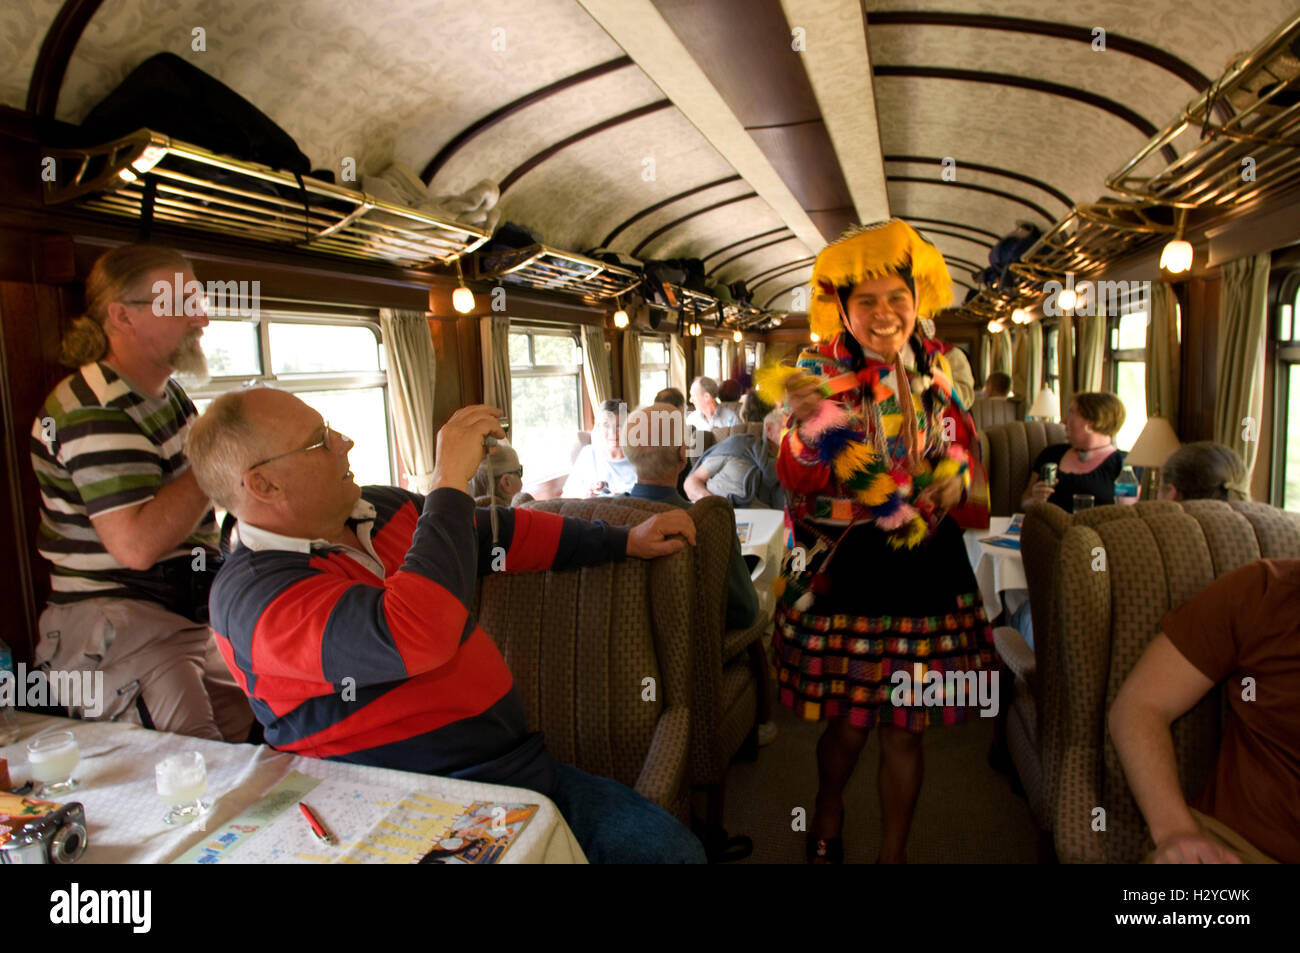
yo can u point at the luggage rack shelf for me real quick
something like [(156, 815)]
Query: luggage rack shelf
[(544, 268), (1261, 91), (150, 175)]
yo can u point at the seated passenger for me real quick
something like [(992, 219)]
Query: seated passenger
[(658, 460), (499, 479), (1243, 631), (131, 536), (671, 395), (1089, 462), (743, 466), (1204, 470), (997, 385), (345, 612), (708, 413), (601, 468)]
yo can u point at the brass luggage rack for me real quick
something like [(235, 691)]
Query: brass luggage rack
[(153, 178), (546, 269)]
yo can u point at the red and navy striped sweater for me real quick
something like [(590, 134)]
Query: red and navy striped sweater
[(395, 672)]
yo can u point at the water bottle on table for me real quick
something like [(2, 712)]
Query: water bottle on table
[(1126, 487)]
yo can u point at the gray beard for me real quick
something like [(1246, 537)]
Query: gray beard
[(190, 362)]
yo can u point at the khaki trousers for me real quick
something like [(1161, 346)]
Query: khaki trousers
[(161, 670)]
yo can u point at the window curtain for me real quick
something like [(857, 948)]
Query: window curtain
[(1028, 377), (699, 362), (1162, 355), (1065, 361), (1091, 350), (676, 364), (728, 359), (1239, 391), (760, 351), (412, 364), (595, 366), (494, 338), (632, 368), (1002, 352), (986, 357)]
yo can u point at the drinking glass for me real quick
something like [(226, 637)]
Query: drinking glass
[(52, 759), (182, 780), (1084, 501)]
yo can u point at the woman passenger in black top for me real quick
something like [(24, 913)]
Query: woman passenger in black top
[(1089, 462)]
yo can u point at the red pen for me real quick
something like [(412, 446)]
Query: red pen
[(317, 827)]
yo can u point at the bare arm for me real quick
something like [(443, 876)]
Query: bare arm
[(696, 485), (1163, 686), (138, 536)]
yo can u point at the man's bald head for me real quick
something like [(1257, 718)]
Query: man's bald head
[(655, 443)]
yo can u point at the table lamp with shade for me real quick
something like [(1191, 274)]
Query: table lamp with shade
[(1046, 405), (1153, 447)]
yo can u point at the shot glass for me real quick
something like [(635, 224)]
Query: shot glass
[(182, 780), (1084, 501), (52, 759)]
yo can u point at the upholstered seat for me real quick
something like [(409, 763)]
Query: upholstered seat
[(1009, 451), (602, 657), (1099, 582), (994, 411)]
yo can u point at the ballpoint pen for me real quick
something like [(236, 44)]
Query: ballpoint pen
[(317, 827)]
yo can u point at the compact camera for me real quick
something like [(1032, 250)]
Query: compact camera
[(40, 832), (491, 441)]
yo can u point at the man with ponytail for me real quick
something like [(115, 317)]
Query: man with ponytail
[(131, 537)]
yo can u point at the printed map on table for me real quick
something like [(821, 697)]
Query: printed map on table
[(372, 825)]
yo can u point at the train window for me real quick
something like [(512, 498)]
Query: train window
[(654, 366), (751, 357), (1286, 444), (545, 399), (1128, 340), (713, 361), (334, 364)]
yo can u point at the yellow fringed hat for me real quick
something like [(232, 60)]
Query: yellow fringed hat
[(873, 251)]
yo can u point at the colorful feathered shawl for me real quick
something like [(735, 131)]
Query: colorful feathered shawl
[(857, 435)]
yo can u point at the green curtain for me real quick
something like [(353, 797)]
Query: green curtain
[(986, 356), (412, 365), (1033, 336), (676, 364), (1091, 348), (595, 363), (494, 339), (1239, 388), (1065, 361), (1162, 357), (1002, 353), (632, 368)]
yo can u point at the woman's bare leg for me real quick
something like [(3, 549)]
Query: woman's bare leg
[(899, 782), (837, 755)]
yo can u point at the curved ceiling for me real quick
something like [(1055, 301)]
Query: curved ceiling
[(748, 131)]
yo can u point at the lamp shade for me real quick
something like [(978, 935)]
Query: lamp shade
[(1046, 404), (1154, 444)]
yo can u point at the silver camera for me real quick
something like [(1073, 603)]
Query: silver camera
[(40, 832)]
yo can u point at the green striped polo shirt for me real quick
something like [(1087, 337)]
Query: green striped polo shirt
[(99, 445)]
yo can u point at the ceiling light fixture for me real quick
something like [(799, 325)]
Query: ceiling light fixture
[(462, 299), (1177, 254), (620, 316)]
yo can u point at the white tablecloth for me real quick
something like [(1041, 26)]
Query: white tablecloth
[(999, 572), (765, 531), (124, 815)]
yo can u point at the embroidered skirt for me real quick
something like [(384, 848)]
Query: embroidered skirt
[(900, 636)]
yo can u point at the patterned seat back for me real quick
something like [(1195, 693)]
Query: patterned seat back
[(1009, 451), (582, 643), (1099, 583)]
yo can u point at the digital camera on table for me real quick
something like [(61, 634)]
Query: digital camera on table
[(40, 832)]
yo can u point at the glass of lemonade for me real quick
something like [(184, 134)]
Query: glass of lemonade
[(182, 780), (52, 759)]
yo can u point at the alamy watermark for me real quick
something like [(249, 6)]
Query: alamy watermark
[(935, 689), (1094, 298), (181, 298), (38, 688)]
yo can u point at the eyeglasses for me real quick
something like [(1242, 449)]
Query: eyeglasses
[(519, 472), (324, 442)]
